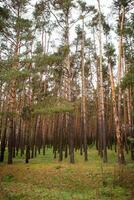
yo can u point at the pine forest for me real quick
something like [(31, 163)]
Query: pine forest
[(66, 100)]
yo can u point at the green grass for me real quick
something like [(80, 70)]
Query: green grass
[(47, 179)]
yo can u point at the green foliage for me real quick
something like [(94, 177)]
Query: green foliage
[(8, 178), (19, 4), (124, 3), (78, 31), (42, 60), (4, 15), (9, 75), (8, 114), (63, 51), (82, 5), (128, 79), (63, 5), (53, 59), (41, 8), (26, 113), (15, 197), (129, 26), (38, 49), (22, 24), (129, 35), (53, 105), (131, 139), (110, 53), (85, 8), (95, 22)]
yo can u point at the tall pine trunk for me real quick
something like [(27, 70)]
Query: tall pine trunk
[(102, 107), (84, 129), (120, 149)]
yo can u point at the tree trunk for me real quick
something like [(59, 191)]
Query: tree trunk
[(120, 148), (102, 108), (83, 103)]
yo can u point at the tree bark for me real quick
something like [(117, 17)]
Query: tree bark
[(102, 107), (120, 148)]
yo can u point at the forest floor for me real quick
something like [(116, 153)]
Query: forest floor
[(47, 179)]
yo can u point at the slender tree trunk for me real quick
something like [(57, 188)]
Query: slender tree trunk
[(120, 61), (120, 149), (84, 124), (102, 108), (68, 88), (3, 138)]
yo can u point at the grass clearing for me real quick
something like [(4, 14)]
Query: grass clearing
[(47, 179)]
